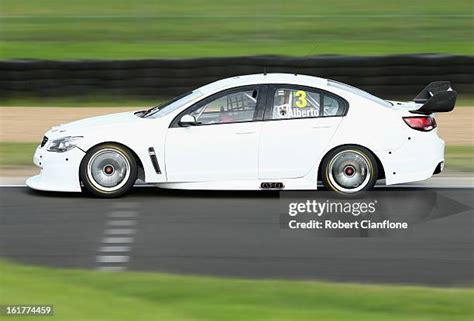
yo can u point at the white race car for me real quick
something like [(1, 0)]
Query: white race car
[(255, 132)]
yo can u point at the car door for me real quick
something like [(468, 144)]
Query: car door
[(223, 145), (298, 123)]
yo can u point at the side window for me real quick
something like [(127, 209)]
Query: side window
[(232, 108), (332, 106), (290, 103), (295, 103)]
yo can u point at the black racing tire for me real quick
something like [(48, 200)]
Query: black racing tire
[(108, 170), (349, 169)]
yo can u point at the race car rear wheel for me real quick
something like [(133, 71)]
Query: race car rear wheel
[(349, 169), (108, 170)]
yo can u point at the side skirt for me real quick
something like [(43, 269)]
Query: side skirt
[(251, 185)]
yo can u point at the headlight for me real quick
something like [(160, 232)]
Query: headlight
[(64, 144)]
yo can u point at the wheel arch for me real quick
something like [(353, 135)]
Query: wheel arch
[(380, 168), (141, 169)]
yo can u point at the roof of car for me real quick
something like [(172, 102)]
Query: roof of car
[(272, 78)]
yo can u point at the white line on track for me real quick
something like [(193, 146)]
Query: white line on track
[(122, 214), (113, 258), (120, 231), (117, 240), (114, 251), (423, 186), (121, 223)]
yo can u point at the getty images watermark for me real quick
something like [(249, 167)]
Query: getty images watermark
[(338, 215), (20, 310), (376, 213)]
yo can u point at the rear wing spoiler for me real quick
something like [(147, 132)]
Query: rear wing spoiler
[(437, 97)]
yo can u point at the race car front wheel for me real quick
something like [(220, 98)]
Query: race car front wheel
[(108, 170), (349, 169)]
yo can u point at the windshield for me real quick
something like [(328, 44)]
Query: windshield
[(173, 104), (359, 92)]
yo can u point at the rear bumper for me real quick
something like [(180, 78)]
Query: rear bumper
[(418, 159), (59, 171)]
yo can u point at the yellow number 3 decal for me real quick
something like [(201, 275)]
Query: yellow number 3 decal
[(301, 102)]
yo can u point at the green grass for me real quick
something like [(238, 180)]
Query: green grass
[(465, 101), (17, 154), (458, 158), (123, 29), (87, 295)]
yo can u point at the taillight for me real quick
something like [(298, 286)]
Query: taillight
[(423, 123)]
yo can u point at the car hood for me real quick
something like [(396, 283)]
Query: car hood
[(86, 124)]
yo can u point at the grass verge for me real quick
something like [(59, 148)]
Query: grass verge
[(17, 154), (90, 295), (57, 50), (460, 158), (123, 29)]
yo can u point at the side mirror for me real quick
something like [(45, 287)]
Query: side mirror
[(188, 120)]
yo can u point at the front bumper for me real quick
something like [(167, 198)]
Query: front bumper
[(59, 171)]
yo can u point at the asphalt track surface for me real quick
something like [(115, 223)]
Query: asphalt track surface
[(233, 234)]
